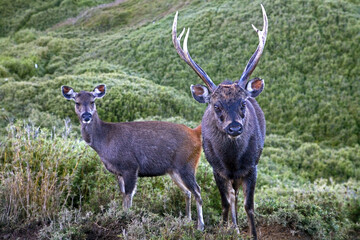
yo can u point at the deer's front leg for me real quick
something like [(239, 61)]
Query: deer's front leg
[(121, 187), (223, 186), (233, 196), (129, 179)]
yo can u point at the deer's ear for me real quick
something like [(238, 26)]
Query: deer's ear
[(68, 92), (200, 93), (255, 87), (99, 91)]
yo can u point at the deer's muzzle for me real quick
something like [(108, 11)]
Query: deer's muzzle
[(234, 129), (86, 117)]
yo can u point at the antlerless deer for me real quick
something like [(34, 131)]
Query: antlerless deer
[(141, 149), (233, 128)]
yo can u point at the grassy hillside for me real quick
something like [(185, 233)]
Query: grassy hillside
[(310, 64), (309, 172), (40, 15)]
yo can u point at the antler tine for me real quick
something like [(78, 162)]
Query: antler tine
[(185, 55), (250, 67)]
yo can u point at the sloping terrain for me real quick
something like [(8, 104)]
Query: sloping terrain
[(308, 181), (310, 64)]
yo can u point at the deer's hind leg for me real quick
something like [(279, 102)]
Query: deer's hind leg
[(178, 181), (188, 178), (187, 182)]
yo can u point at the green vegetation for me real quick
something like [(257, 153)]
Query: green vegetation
[(309, 173), (311, 62), (49, 175)]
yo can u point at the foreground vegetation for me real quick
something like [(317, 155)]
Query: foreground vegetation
[(51, 183), (50, 177)]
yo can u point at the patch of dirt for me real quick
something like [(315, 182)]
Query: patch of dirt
[(279, 232), (96, 232), (27, 232), (87, 13), (113, 231), (163, 14)]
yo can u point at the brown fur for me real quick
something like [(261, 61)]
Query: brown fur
[(195, 148)]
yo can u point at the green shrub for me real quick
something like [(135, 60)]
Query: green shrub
[(19, 68), (319, 209), (25, 36), (96, 66), (4, 72), (313, 161)]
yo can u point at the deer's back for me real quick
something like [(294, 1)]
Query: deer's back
[(152, 147)]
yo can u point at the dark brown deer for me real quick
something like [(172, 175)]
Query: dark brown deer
[(141, 149), (233, 128)]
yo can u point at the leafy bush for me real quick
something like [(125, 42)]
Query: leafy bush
[(320, 209), (3, 72), (19, 68), (313, 161), (25, 36)]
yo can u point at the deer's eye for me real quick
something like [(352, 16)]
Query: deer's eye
[(77, 104), (243, 104), (92, 103), (217, 108)]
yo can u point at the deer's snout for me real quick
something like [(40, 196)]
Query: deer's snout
[(86, 117), (234, 129)]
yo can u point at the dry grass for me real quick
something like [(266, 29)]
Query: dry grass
[(35, 184)]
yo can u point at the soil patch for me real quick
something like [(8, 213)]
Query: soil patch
[(86, 13), (279, 232), (113, 231)]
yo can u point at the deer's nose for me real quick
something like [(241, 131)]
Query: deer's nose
[(234, 129), (86, 117)]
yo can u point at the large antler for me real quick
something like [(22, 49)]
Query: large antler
[(250, 67), (185, 55)]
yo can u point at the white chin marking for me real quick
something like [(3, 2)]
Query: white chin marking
[(233, 138), (86, 122)]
